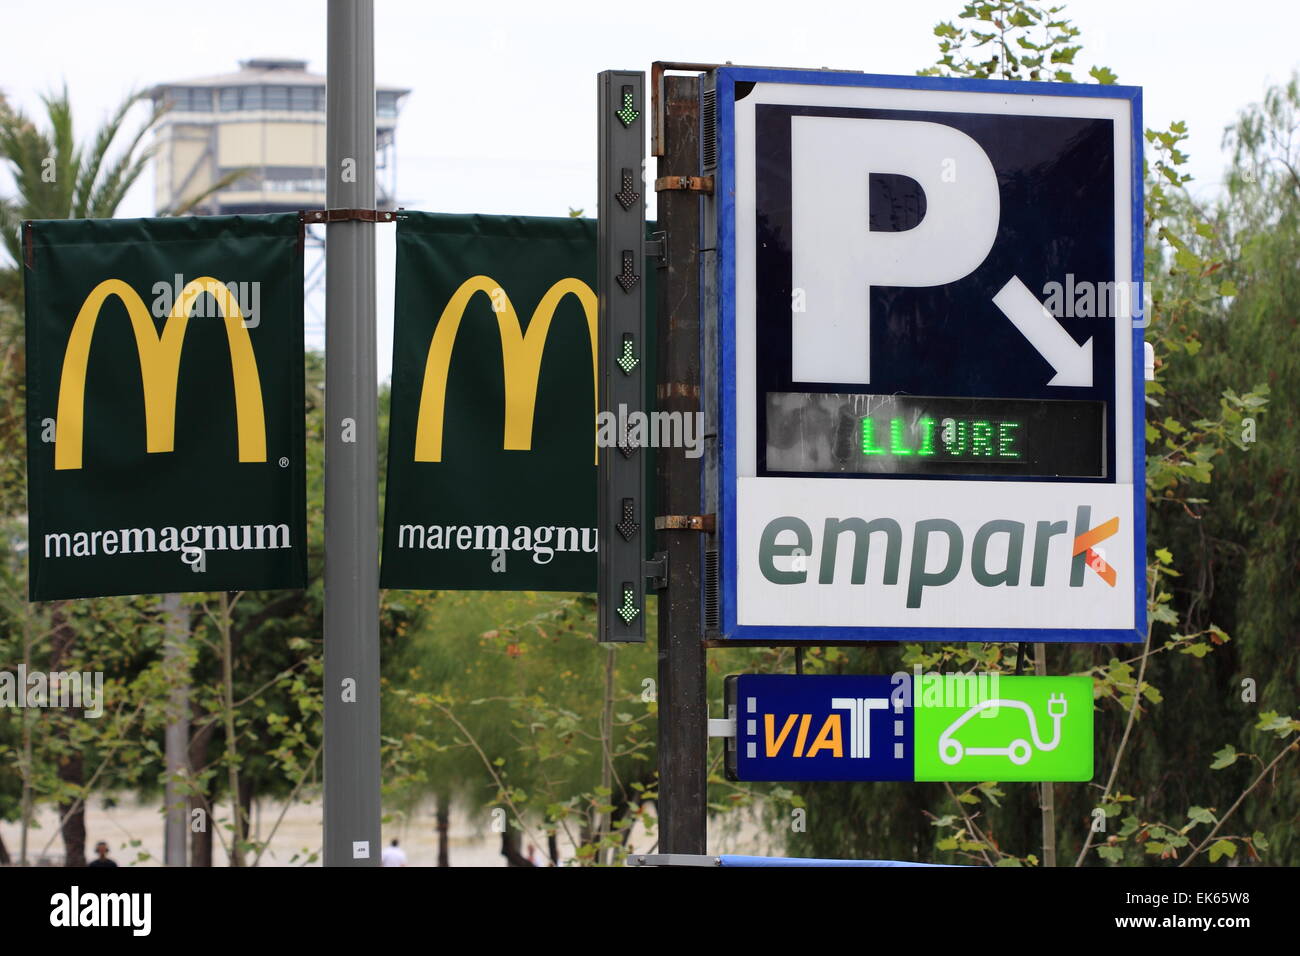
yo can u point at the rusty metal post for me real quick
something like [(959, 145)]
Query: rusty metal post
[(683, 703)]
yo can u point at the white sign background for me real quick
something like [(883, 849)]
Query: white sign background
[(962, 603)]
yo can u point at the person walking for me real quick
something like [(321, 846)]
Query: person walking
[(393, 855)]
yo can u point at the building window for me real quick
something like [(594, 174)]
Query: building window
[(302, 98), (280, 179), (252, 97), (185, 99), (386, 104), (276, 98), (228, 99), (251, 181)]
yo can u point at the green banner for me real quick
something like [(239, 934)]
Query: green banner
[(165, 446), (492, 439)]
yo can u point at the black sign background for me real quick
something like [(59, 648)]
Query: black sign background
[(951, 340)]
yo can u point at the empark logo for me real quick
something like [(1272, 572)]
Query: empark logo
[(1095, 558), (789, 540), (160, 358)]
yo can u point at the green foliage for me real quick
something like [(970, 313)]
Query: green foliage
[(503, 701), (56, 177), (1009, 40), (1138, 838), (500, 702)]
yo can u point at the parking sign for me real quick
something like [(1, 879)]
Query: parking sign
[(930, 378)]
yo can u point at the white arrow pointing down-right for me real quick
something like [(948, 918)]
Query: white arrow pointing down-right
[(1072, 362)]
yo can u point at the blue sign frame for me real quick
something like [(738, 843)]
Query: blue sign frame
[(726, 80)]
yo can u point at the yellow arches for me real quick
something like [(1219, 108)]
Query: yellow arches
[(160, 359), (521, 358)]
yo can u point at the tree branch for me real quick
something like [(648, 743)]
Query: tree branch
[(1123, 743), (1295, 745)]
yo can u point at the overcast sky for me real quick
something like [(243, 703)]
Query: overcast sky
[(502, 114)]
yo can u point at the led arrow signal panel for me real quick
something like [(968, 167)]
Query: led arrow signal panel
[(620, 337)]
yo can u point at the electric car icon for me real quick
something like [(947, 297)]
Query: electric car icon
[(1018, 750)]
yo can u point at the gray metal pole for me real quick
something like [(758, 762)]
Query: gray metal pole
[(683, 707), (176, 737), (351, 801)]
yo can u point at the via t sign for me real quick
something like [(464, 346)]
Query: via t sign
[(930, 358)]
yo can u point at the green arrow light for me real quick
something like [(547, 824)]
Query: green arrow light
[(626, 360), (628, 609), (627, 114)]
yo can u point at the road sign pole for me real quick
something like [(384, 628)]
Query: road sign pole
[(683, 704), (176, 736), (351, 742)]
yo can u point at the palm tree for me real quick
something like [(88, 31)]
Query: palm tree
[(58, 178)]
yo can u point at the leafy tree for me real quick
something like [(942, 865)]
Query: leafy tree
[(1239, 557), (501, 704), (504, 702)]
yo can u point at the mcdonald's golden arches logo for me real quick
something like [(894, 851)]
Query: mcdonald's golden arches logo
[(160, 359), (521, 356)]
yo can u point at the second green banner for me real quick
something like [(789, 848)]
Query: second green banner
[(492, 439)]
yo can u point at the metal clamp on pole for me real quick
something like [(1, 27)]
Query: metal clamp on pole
[(694, 184), (656, 571), (347, 215), (705, 523), (656, 247), (722, 726)]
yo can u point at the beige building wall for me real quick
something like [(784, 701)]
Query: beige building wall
[(271, 143), (267, 119), (183, 167)]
